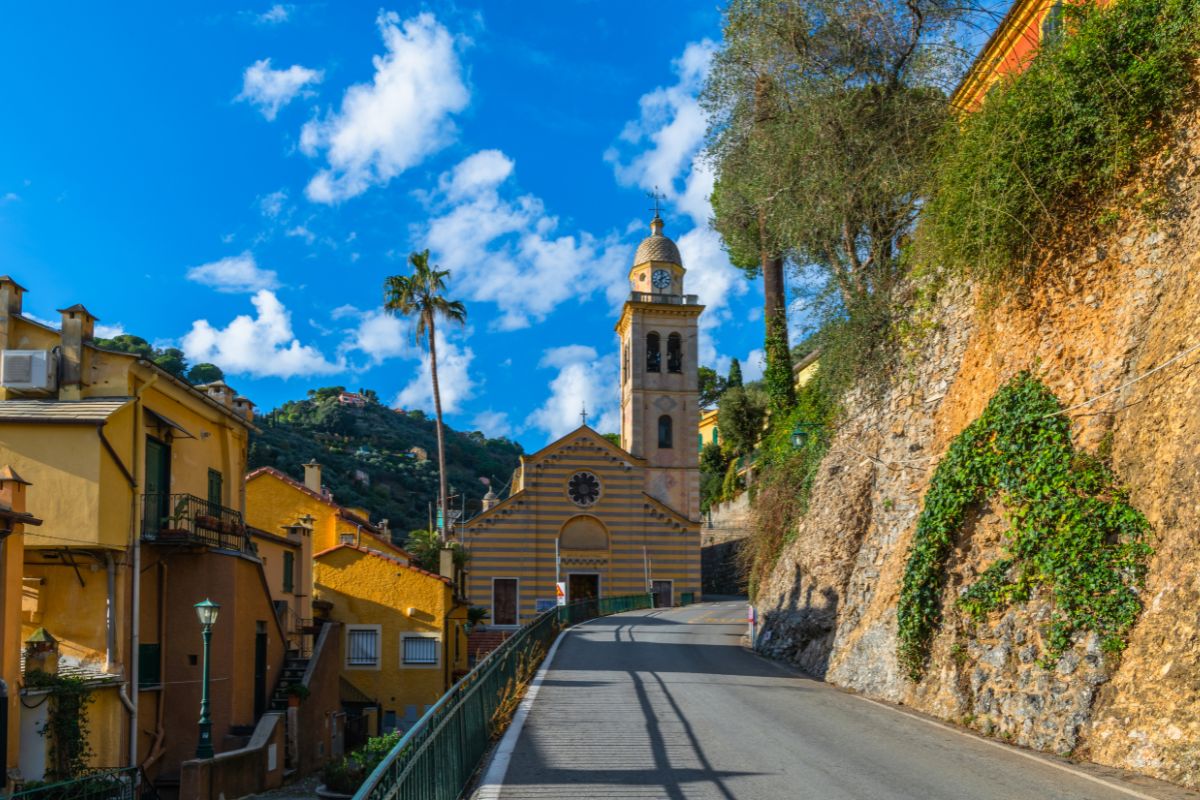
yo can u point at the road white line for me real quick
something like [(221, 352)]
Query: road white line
[(1039, 758), (493, 779)]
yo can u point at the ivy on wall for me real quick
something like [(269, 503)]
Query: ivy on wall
[(1073, 531), (66, 726)]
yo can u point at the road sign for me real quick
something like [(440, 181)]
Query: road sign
[(560, 592)]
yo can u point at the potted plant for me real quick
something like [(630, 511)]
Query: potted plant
[(174, 526), (297, 693)]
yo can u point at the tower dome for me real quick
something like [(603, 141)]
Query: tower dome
[(657, 247)]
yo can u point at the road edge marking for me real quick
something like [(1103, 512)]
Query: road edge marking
[(1040, 758), (497, 770)]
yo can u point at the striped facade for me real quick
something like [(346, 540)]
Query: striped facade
[(626, 537)]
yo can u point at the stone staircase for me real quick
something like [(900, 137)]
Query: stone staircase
[(294, 667)]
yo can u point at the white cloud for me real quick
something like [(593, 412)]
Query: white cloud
[(394, 122), (493, 424), (754, 364), (302, 232), (271, 89), (584, 378), (378, 335), (260, 346), (276, 14), (110, 331), (507, 250), (271, 205), (10, 197), (237, 273), (454, 379)]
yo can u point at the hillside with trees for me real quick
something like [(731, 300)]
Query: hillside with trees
[(381, 459)]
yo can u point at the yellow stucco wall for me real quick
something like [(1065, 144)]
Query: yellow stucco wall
[(272, 503), (368, 589)]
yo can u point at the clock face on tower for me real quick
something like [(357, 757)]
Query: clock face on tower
[(661, 279)]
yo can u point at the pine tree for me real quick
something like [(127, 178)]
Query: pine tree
[(735, 374)]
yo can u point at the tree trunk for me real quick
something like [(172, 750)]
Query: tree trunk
[(778, 376), (437, 407)]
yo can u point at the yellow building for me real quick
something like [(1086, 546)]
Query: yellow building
[(403, 628), (709, 432), (13, 519), (276, 500), (609, 520), (806, 368), (139, 480)]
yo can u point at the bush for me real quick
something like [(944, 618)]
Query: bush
[(1062, 135), (348, 774)]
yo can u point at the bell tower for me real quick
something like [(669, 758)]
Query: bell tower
[(660, 412)]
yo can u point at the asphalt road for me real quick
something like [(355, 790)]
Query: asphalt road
[(667, 704)]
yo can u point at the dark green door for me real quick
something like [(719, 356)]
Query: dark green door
[(158, 484), (260, 669), (214, 492)]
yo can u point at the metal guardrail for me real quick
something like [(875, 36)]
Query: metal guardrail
[(188, 519), (99, 784), (437, 757)]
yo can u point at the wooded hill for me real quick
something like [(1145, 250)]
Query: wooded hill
[(379, 458)]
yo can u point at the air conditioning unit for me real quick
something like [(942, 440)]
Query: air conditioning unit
[(29, 370)]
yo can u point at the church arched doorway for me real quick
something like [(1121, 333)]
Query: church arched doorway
[(583, 549)]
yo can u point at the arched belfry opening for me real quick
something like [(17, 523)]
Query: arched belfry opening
[(674, 353), (653, 352)]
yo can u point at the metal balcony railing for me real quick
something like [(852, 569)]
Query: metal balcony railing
[(666, 299), (93, 784), (187, 519)]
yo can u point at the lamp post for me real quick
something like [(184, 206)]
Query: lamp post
[(207, 611)]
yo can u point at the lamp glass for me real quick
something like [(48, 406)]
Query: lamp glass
[(206, 611)]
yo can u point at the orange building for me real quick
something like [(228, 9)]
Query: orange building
[(1011, 47)]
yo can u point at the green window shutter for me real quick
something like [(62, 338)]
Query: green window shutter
[(289, 570), (149, 664), (214, 488)]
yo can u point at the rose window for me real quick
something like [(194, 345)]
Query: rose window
[(583, 488)]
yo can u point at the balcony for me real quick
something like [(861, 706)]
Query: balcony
[(664, 299), (185, 519)]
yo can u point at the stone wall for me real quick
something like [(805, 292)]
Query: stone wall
[(1102, 314)]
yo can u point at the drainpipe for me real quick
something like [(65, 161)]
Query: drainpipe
[(135, 600)]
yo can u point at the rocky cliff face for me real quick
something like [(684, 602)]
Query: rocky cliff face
[(1097, 327)]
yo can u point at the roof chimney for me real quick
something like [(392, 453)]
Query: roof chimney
[(10, 306), (312, 476), (78, 326), (12, 489)]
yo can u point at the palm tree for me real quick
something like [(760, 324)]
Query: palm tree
[(420, 295)]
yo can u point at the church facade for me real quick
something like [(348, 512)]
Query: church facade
[(608, 520)]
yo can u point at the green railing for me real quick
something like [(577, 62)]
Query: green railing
[(100, 784), (438, 756)]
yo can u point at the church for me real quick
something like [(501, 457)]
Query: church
[(608, 520)]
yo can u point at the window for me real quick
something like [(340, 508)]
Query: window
[(653, 353), (1052, 24), (674, 353), (289, 571), (362, 646), (149, 664), (419, 650), (664, 432), (504, 601), (214, 490)]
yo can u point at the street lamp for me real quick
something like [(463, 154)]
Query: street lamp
[(800, 434), (206, 611)]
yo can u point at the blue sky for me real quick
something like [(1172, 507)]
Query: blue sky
[(239, 180)]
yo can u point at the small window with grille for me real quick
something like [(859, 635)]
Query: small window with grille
[(420, 650), (362, 646)]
